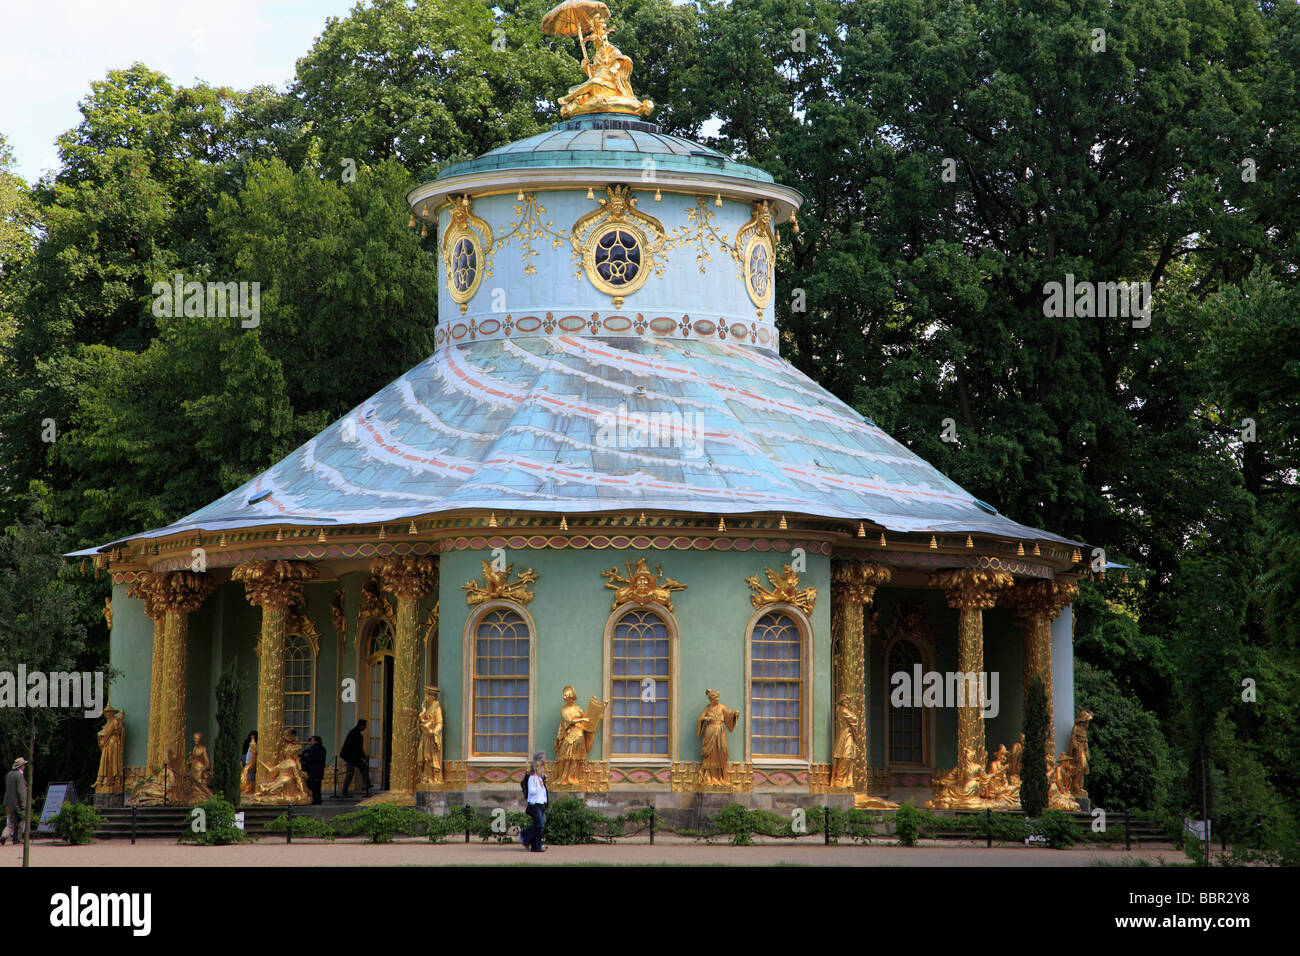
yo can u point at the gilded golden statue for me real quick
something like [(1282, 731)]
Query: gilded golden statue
[(961, 787), (110, 739), (714, 724), (198, 773), (430, 755), (162, 787), (608, 87), (1058, 784), (287, 783), (785, 590), (999, 789), (1016, 760), (847, 741), (1079, 754), (573, 739)]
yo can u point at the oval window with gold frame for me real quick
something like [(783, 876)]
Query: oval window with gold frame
[(464, 258), (760, 275), (617, 260)]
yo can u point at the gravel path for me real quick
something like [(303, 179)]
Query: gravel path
[(666, 851)]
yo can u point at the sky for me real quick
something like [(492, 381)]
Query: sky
[(51, 50)]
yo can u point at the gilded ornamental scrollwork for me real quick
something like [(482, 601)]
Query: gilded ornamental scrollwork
[(617, 244), (498, 586), (785, 590), (641, 586)]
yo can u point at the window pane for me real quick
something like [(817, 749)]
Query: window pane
[(776, 686), (639, 651), (501, 645)]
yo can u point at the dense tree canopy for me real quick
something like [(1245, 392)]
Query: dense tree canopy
[(957, 157)]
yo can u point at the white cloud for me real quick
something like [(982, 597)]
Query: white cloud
[(53, 49)]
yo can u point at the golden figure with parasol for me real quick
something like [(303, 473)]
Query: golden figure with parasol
[(608, 88)]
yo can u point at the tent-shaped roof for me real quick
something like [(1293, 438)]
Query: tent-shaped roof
[(548, 424)]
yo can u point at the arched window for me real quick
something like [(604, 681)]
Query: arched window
[(299, 668), (907, 723), (501, 684), (776, 686), (640, 669)]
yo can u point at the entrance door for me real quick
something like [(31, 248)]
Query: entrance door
[(379, 704)]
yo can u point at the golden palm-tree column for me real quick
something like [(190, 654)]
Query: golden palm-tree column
[(179, 593), (409, 579), (853, 586), (146, 588), (274, 586), (971, 592), (1034, 605)]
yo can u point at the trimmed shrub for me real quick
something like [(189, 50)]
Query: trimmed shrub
[(737, 822), (1059, 828), (76, 823), (907, 823), (1033, 770), (382, 822), (303, 825), (213, 826), (571, 821)]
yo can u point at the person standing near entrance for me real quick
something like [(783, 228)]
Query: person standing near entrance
[(313, 765), (354, 755), (16, 798), (536, 809)]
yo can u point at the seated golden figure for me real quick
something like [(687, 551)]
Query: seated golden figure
[(1058, 784), (999, 789), (608, 87), (163, 787), (286, 782), (960, 787), (1016, 759)]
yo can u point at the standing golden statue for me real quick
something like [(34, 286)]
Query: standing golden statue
[(198, 773), (573, 739), (1016, 760), (429, 759), (110, 739), (714, 723), (608, 87), (847, 742), (1079, 754)]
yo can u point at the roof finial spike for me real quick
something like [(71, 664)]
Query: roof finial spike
[(933, 543), (1036, 551), (411, 529), (862, 530), (969, 542), (492, 520), (383, 532), (782, 526), (564, 523), (641, 520), (882, 540), (1020, 549), (321, 537), (722, 524)]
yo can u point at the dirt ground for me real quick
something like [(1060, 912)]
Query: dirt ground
[(667, 851)]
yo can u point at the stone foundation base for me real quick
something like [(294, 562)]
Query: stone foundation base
[(109, 800)]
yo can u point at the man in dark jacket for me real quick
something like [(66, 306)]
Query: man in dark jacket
[(354, 755), (16, 798), (313, 765)]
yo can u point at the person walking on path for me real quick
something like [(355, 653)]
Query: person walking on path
[(354, 755), (16, 798), (531, 837)]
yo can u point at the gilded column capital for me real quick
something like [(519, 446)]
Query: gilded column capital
[(274, 583), (1033, 599), (857, 581), (407, 576), (148, 587), (185, 591), (971, 589)]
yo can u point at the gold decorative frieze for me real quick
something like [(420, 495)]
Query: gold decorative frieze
[(592, 778), (785, 590), (689, 777), (640, 586), (497, 586)]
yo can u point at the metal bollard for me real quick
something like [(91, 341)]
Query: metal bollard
[(468, 811), (988, 823), (288, 833), (652, 826), (133, 826), (1128, 835), (826, 825)]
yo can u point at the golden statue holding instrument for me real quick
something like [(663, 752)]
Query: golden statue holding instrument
[(608, 87), (574, 737)]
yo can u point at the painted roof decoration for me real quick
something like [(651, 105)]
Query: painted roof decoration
[(547, 424)]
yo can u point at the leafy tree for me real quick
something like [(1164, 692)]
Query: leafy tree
[(1129, 756)]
